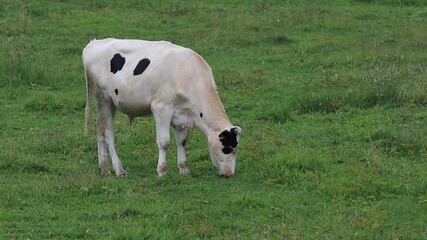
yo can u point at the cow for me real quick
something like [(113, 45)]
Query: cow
[(172, 83)]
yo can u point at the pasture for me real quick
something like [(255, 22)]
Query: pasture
[(331, 97)]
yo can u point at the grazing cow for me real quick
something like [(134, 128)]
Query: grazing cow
[(173, 83)]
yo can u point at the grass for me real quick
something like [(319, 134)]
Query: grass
[(331, 97)]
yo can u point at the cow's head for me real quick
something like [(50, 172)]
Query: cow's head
[(223, 150)]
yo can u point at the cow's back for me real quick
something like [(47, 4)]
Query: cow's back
[(134, 72), (100, 53)]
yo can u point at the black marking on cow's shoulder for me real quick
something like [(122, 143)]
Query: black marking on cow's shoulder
[(201, 115), (141, 66), (228, 140), (117, 63), (116, 91)]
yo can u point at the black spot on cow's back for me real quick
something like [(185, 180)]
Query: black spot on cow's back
[(117, 63), (116, 91), (141, 66), (201, 115)]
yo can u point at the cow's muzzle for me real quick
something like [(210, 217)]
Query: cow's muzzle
[(227, 172)]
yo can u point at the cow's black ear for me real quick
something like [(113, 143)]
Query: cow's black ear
[(236, 130)]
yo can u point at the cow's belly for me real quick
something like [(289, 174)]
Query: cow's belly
[(132, 108), (131, 98)]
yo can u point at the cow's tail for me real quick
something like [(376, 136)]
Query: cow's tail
[(87, 108)]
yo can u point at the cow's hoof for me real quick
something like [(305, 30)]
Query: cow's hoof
[(184, 171), (121, 173), (161, 169)]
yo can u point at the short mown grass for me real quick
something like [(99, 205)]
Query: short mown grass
[(331, 97)]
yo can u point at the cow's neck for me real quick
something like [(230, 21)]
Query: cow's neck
[(212, 118)]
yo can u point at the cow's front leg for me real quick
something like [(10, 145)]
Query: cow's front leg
[(181, 139), (163, 118)]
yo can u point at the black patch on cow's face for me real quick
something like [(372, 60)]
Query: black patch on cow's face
[(228, 140), (227, 150), (116, 91), (141, 66), (201, 115), (117, 63)]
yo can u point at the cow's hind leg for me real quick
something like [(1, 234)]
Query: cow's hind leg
[(102, 147), (181, 139), (105, 124)]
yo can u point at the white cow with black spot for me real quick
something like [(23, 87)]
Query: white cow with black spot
[(173, 83)]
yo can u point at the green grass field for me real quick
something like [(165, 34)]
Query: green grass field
[(331, 97)]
